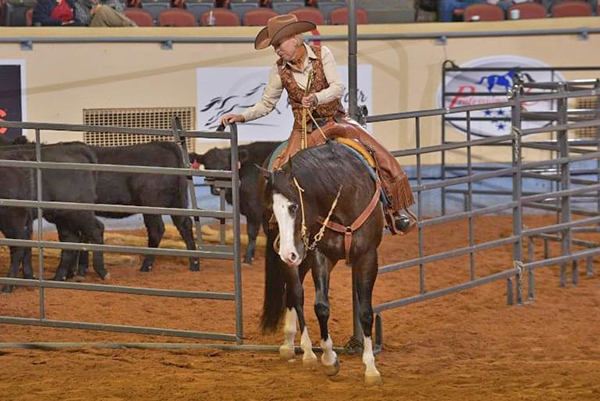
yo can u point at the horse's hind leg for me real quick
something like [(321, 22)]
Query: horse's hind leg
[(320, 272), (184, 226), (365, 270), (156, 230)]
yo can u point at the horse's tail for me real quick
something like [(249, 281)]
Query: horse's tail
[(273, 303), (482, 79)]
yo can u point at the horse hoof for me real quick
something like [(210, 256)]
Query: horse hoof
[(107, 276), (332, 370), (373, 379), (146, 269), (286, 353), (79, 278), (195, 268), (310, 363)]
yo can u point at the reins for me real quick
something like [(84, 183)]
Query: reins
[(304, 231), (306, 112), (348, 231)]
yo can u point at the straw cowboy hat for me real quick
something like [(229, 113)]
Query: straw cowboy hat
[(281, 26)]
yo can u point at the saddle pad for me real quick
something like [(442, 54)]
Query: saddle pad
[(357, 149)]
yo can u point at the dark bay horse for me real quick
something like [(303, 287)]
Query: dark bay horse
[(317, 183)]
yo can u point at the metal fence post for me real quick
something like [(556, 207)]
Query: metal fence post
[(565, 179), (237, 249), (517, 187), (40, 231)]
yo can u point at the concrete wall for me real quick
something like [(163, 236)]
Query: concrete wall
[(62, 79)]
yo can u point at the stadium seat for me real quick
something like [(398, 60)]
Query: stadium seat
[(155, 7), (326, 6), (139, 16), (199, 7), (529, 10), (222, 17), (571, 9), (258, 17), (16, 12), (309, 14), (285, 6), (176, 17), (485, 11), (339, 16), (241, 7)]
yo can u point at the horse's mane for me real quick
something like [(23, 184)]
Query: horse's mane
[(325, 168)]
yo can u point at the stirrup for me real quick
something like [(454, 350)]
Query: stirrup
[(398, 224)]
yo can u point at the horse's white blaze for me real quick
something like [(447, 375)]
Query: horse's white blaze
[(287, 250), (329, 356), (306, 345), (369, 358)]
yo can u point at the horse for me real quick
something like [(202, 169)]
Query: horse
[(320, 207)]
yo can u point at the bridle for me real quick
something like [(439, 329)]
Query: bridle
[(348, 231), (304, 231)]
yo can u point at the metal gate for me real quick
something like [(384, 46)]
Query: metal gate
[(204, 250), (566, 154)]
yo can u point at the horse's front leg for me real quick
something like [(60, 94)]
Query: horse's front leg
[(320, 272), (366, 273), (295, 311)]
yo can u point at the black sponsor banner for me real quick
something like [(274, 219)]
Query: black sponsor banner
[(11, 108)]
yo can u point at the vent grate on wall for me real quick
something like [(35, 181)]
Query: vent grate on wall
[(588, 103), (159, 118)]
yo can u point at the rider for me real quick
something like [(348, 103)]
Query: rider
[(300, 66)]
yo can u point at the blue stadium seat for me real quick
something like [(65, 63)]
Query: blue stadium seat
[(285, 6)]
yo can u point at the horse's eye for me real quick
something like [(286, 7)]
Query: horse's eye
[(293, 209)]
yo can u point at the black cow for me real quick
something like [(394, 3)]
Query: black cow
[(145, 190), (59, 186), (250, 156)]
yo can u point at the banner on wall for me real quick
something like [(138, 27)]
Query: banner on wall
[(469, 88), (12, 95), (234, 89)]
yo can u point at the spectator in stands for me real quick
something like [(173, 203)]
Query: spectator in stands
[(103, 13), (311, 79), (447, 7), (55, 13)]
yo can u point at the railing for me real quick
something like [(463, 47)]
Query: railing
[(204, 251), (556, 169)]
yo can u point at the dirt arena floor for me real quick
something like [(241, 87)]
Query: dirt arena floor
[(466, 346)]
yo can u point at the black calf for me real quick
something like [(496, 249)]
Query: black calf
[(57, 185), (145, 190), (251, 156)]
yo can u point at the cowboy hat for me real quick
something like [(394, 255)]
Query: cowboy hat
[(279, 27)]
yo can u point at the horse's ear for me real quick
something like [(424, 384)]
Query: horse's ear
[(267, 175)]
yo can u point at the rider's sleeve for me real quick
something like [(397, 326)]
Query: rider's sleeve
[(336, 87), (270, 96)]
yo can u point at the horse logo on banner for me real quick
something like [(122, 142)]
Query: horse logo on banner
[(487, 81)]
